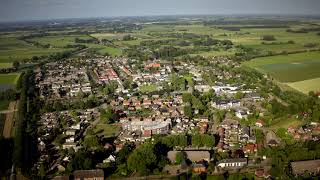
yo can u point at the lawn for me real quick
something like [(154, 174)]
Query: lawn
[(148, 88), (107, 130), (285, 123)]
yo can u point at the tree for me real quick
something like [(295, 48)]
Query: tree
[(181, 156), (16, 64), (188, 111), (196, 140), (108, 116), (142, 160), (208, 140), (91, 142), (268, 38), (239, 95)]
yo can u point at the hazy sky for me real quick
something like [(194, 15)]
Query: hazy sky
[(11, 10)]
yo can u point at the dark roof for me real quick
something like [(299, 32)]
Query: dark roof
[(300, 167), (88, 173)]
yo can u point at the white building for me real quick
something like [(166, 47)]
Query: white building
[(232, 163)]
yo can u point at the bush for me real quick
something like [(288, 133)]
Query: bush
[(268, 38)]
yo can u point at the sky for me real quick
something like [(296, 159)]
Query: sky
[(19, 10)]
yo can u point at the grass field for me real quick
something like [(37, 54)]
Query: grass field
[(285, 123), (307, 85), (5, 65), (107, 130), (300, 71), (11, 79), (12, 49), (148, 88)]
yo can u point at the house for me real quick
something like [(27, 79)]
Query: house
[(301, 167), (272, 139), (242, 114), (232, 163), (194, 156), (111, 158), (95, 174), (199, 168), (261, 173), (260, 123), (70, 132), (202, 88), (250, 148), (69, 145)]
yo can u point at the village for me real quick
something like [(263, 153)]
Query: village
[(135, 103)]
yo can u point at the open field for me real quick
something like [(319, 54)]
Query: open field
[(12, 49), (5, 65), (148, 88), (11, 78), (307, 85), (286, 122), (62, 41), (106, 129), (299, 71)]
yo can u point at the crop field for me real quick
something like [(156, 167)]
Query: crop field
[(59, 41), (300, 71)]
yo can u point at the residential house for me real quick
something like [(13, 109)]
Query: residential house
[(260, 123), (199, 168)]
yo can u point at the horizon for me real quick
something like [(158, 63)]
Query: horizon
[(167, 15), (37, 10)]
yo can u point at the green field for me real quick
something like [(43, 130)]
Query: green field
[(299, 71), (12, 49), (106, 129), (148, 88), (62, 41), (307, 85), (5, 65), (10, 79)]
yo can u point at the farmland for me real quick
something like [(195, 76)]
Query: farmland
[(12, 49), (9, 78), (299, 71)]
